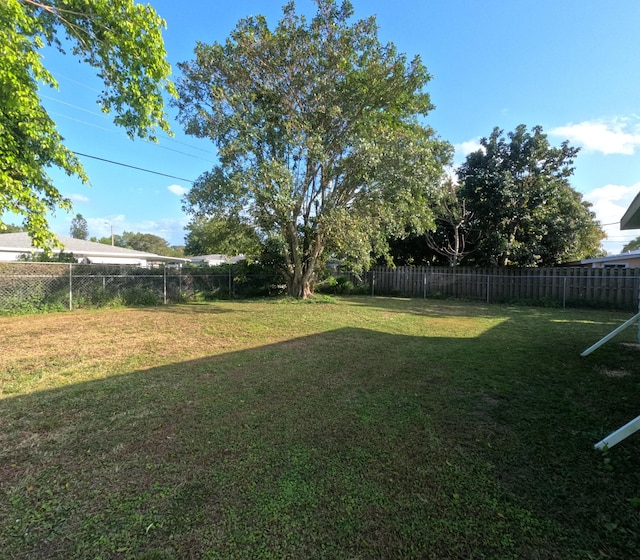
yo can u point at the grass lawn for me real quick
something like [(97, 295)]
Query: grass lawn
[(365, 428)]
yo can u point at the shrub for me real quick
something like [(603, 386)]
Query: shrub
[(327, 286), (339, 286), (140, 297)]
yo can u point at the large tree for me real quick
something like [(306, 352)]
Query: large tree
[(519, 192), (454, 236), (320, 143), (457, 231), (147, 242), (218, 236), (121, 40), (79, 228)]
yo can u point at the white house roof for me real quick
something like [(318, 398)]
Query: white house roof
[(217, 258), (21, 243)]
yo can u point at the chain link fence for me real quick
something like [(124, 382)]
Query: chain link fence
[(33, 287)]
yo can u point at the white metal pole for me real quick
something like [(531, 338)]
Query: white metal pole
[(610, 335), (620, 434)]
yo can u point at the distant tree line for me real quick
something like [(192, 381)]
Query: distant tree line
[(147, 242), (512, 204)]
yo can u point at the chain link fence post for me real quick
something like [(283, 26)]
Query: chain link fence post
[(70, 287), (488, 287)]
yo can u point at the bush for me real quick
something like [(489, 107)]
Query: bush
[(140, 297), (327, 286), (34, 303), (338, 286)]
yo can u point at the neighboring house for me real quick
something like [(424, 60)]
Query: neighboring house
[(623, 260), (15, 245), (215, 260), (630, 220)]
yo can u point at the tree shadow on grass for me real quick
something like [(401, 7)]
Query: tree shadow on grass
[(351, 443)]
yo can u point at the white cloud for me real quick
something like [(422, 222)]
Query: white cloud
[(616, 136), (610, 202), (171, 229), (101, 227), (463, 149), (78, 198), (177, 189), (614, 193)]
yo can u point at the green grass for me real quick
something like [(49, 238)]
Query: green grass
[(361, 428)]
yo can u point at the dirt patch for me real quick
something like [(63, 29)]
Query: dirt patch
[(615, 373)]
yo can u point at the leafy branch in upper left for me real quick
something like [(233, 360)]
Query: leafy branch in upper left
[(122, 40)]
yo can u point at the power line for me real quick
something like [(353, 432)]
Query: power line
[(133, 167), (83, 122), (110, 131), (95, 113), (58, 75), (104, 116)]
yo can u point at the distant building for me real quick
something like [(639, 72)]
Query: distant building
[(215, 260), (13, 246), (630, 220), (623, 260)]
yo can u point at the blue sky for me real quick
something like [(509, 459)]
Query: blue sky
[(569, 66)]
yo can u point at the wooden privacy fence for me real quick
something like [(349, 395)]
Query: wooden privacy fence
[(601, 287)]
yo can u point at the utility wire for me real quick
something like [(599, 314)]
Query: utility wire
[(106, 117), (118, 133), (132, 167)]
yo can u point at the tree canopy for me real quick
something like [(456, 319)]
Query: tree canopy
[(121, 40), (79, 228), (12, 228), (147, 242), (518, 190), (633, 245), (218, 236), (457, 232), (320, 140)]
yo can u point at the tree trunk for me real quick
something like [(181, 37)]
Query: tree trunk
[(302, 265), (300, 287)]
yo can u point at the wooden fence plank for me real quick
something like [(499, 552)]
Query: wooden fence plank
[(588, 286)]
